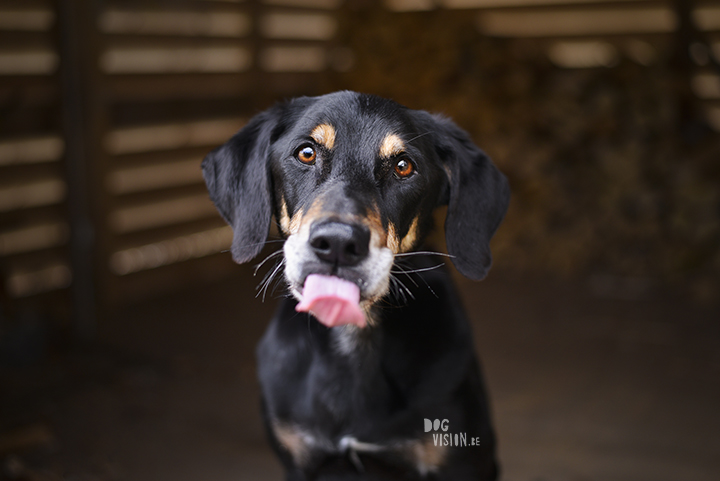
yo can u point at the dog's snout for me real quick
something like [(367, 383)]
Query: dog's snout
[(339, 243)]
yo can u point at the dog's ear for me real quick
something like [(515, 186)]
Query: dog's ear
[(237, 177), (478, 199)]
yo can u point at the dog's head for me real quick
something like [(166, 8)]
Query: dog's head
[(353, 180)]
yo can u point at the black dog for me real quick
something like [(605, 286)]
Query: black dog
[(354, 390)]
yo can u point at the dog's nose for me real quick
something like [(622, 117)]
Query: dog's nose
[(339, 243)]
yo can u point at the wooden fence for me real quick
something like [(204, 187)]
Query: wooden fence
[(108, 108)]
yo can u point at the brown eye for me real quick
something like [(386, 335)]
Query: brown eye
[(306, 155), (404, 168)]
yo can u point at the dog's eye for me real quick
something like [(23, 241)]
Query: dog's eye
[(404, 168), (306, 155)]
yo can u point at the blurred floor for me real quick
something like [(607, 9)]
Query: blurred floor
[(583, 388)]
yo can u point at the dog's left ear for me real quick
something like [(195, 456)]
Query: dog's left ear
[(237, 177), (478, 199)]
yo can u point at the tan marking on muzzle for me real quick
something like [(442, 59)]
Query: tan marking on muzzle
[(289, 225), (392, 239), (324, 134), (284, 217), (410, 238), (378, 236), (391, 145)]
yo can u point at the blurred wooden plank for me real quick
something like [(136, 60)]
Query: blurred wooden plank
[(153, 177), (162, 212), (141, 238), (179, 21), (171, 250), (578, 22), (539, 5), (157, 137), (152, 60)]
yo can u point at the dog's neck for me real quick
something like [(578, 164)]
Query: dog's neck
[(350, 339)]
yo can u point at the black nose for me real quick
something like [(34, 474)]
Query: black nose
[(339, 243)]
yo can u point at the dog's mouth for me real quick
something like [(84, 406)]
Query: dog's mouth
[(332, 300), (337, 271)]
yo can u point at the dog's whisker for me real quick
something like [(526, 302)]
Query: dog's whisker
[(271, 278), (420, 135), (404, 271), (405, 254), (262, 287), (273, 254), (402, 289), (413, 271)]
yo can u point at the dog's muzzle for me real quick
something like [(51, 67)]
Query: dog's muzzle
[(337, 269)]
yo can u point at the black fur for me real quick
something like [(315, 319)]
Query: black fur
[(417, 362)]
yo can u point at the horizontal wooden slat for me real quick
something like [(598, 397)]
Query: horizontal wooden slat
[(189, 23), (38, 193), (23, 281), (292, 58), (209, 132), (161, 213), (155, 176), (171, 250), (315, 4), (41, 61), (518, 4), (27, 18), (707, 85), (707, 17), (31, 150), (575, 22), (187, 4), (32, 237), (300, 26), (140, 238), (155, 60)]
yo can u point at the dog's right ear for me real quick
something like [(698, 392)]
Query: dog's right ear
[(237, 177)]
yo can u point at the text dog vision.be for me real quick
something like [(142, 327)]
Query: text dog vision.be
[(448, 439)]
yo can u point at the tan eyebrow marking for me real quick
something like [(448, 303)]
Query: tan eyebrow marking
[(324, 134), (391, 145)]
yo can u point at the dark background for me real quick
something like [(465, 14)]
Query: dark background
[(127, 334)]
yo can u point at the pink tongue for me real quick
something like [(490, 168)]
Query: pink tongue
[(333, 301)]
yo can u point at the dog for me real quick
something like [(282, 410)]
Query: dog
[(367, 369)]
